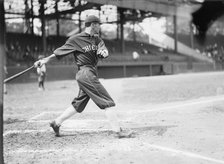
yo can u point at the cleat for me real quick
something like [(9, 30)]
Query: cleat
[(55, 127), (125, 134)]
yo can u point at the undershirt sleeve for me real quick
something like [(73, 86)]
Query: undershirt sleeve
[(69, 47), (101, 44)]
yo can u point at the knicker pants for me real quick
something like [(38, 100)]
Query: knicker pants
[(90, 87)]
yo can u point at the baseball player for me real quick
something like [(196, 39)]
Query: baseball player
[(87, 47), (41, 71)]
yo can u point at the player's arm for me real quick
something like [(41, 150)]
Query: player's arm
[(102, 50), (45, 60)]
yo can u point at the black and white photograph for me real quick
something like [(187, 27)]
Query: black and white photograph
[(111, 81)]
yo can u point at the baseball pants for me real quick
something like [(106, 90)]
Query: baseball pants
[(90, 87)]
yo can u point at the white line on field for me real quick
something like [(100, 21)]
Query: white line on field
[(37, 116), (200, 101), (44, 151), (42, 114), (185, 153), (47, 130), (22, 131)]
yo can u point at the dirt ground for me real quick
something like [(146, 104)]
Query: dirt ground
[(177, 119)]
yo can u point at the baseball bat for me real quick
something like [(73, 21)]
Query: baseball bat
[(18, 74)]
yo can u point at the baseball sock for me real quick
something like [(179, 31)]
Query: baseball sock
[(70, 111), (113, 119)]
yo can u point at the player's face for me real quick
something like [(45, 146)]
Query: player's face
[(95, 28)]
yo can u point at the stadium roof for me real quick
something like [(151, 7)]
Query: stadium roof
[(165, 7), (161, 7)]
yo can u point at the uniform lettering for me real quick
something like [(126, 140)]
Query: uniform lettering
[(89, 48)]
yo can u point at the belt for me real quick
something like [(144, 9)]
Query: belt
[(86, 66)]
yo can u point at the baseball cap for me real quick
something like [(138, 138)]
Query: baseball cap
[(40, 56), (92, 18)]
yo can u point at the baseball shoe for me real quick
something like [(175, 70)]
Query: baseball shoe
[(125, 133), (55, 127)]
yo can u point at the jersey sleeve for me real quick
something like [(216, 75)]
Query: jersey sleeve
[(69, 47), (101, 44)]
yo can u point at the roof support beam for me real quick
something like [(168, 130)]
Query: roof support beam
[(2, 59)]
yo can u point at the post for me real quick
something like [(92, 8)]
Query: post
[(118, 22), (122, 21), (189, 62), (134, 34), (191, 36), (57, 18), (32, 21), (175, 33), (2, 55), (124, 71), (42, 15)]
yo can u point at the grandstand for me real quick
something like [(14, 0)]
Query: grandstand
[(24, 48), (19, 44)]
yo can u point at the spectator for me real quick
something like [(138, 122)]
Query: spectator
[(135, 55)]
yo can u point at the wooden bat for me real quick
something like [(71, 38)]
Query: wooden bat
[(18, 74)]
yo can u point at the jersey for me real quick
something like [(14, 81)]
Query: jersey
[(41, 70), (83, 47)]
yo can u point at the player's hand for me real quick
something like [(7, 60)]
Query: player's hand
[(102, 53), (39, 63)]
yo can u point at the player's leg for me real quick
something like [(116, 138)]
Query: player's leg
[(55, 124), (43, 85), (111, 115), (39, 83), (70, 111), (42, 76), (91, 85), (43, 80), (96, 91), (39, 86), (78, 105), (115, 124)]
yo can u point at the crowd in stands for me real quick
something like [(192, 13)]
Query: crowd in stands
[(214, 51), (24, 49), (23, 55)]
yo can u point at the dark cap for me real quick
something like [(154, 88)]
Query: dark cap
[(92, 18)]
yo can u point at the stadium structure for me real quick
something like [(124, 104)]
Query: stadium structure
[(168, 53)]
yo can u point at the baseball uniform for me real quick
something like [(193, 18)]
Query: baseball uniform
[(84, 48)]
